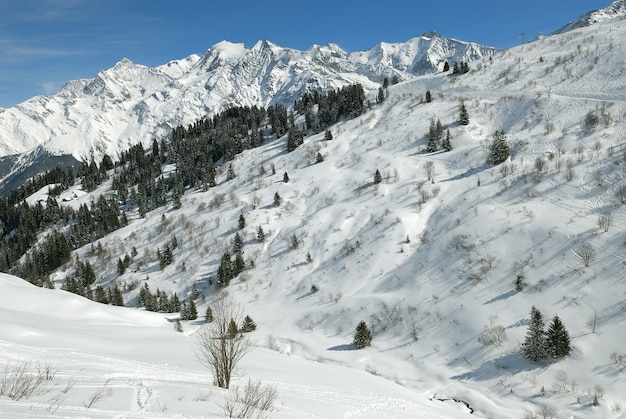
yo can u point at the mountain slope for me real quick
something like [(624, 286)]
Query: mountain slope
[(430, 265)]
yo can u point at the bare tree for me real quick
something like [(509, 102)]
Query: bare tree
[(586, 252), (216, 348)]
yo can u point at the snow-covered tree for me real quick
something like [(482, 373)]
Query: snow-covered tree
[(534, 346), (362, 336), (558, 339), (499, 149), (377, 177), (248, 325), (463, 115)]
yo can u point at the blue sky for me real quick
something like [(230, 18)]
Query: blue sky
[(44, 43)]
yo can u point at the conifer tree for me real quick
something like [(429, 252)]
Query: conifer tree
[(286, 178), (377, 177), (328, 136), (463, 115), (446, 67), (231, 173), (380, 98), (242, 222), (192, 311), (238, 244), (362, 336), (277, 200), (260, 234), (208, 315), (499, 149), (558, 339), (534, 346), (248, 325), (232, 329), (429, 97)]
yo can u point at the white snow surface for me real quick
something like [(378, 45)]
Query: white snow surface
[(132, 103), (429, 265), (149, 370)]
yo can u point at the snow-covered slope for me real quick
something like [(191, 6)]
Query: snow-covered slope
[(430, 265), (141, 367), (130, 103), (617, 9)]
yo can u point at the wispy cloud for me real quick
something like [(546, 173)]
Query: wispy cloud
[(45, 52)]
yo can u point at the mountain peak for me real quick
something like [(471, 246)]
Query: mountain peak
[(431, 34)]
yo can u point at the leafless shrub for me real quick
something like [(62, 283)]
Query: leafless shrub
[(618, 359), (547, 412), (23, 380), (586, 253), (271, 344), (429, 169), (620, 193), (254, 397), (216, 348), (493, 336), (459, 242), (100, 394), (604, 221)]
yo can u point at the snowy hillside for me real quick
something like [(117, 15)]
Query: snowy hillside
[(103, 362), (130, 103), (428, 257)]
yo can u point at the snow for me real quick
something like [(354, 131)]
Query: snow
[(152, 371), (470, 232)]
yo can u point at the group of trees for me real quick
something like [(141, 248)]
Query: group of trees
[(458, 68), (436, 140), (540, 343)]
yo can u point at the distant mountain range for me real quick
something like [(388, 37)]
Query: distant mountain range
[(130, 103)]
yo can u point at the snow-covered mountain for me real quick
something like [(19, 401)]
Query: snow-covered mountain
[(130, 102), (617, 9), (429, 264)]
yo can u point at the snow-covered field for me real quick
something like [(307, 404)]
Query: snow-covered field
[(110, 362), (429, 265)]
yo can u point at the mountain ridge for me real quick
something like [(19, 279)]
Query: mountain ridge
[(142, 101)]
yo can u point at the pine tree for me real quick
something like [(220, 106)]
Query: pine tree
[(558, 339), (192, 311), (429, 97), (463, 115), (446, 67), (286, 178), (328, 136), (242, 222), (231, 173), (248, 325), (260, 235), (277, 200), (208, 315), (232, 329), (499, 149), (534, 346), (238, 244), (377, 177), (380, 98), (362, 336)]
